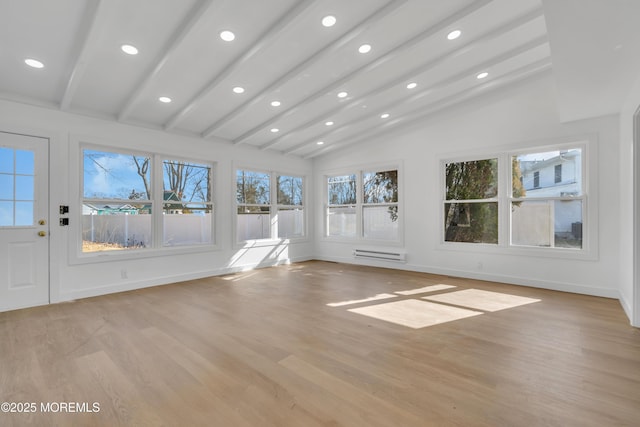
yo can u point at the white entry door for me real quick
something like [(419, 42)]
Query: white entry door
[(24, 221)]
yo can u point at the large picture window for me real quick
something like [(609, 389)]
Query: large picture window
[(123, 197), (530, 199), (269, 206), (363, 205)]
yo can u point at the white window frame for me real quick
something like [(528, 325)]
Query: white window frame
[(496, 199), (359, 206), (582, 197), (282, 207), (589, 250), (157, 247), (274, 208)]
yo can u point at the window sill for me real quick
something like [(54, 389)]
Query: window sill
[(362, 241), (525, 251), (258, 243), (133, 254)]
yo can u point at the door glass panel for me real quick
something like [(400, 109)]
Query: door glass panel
[(24, 188), (6, 187), (24, 162), (6, 160), (17, 192), (6, 214), (24, 213)]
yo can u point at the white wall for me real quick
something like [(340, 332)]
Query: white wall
[(514, 117), (74, 278)]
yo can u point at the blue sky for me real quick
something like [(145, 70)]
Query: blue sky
[(110, 175)]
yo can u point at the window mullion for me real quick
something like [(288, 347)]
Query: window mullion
[(157, 207), (360, 204), (273, 205)]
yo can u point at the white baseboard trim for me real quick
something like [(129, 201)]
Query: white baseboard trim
[(626, 306), (512, 280), (166, 280)]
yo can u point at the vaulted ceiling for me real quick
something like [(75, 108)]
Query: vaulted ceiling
[(286, 82)]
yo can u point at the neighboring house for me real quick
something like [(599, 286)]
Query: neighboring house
[(172, 208), (91, 209), (554, 176), (168, 208)]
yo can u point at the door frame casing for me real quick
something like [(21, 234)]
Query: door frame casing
[(635, 303), (57, 190)]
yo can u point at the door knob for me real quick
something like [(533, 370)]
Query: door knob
[(42, 222), (42, 233)]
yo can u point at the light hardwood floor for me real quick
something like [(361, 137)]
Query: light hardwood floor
[(263, 348)]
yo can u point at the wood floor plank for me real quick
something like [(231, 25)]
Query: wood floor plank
[(264, 348)]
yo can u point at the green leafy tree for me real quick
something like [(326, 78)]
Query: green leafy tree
[(466, 220), (517, 188)]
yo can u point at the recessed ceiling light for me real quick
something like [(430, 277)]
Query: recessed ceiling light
[(275, 103), (454, 34), (412, 85), (320, 142), (384, 116), (164, 99), (238, 89), (365, 48), (128, 49), (275, 130), (342, 95), (329, 21), (329, 123), (227, 35), (482, 75), (33, 63)]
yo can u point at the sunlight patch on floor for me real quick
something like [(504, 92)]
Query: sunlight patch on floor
[(426, 289), (414, 313), (373, 298), (481, 300)]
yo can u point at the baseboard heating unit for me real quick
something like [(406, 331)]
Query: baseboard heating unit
[(381, 255)]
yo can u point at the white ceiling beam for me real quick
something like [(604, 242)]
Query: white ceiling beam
[(514, 77), (87, 40), (324, 53), (463, 75), (263, 40), (189, 23), (388, 56), (476, 42)]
